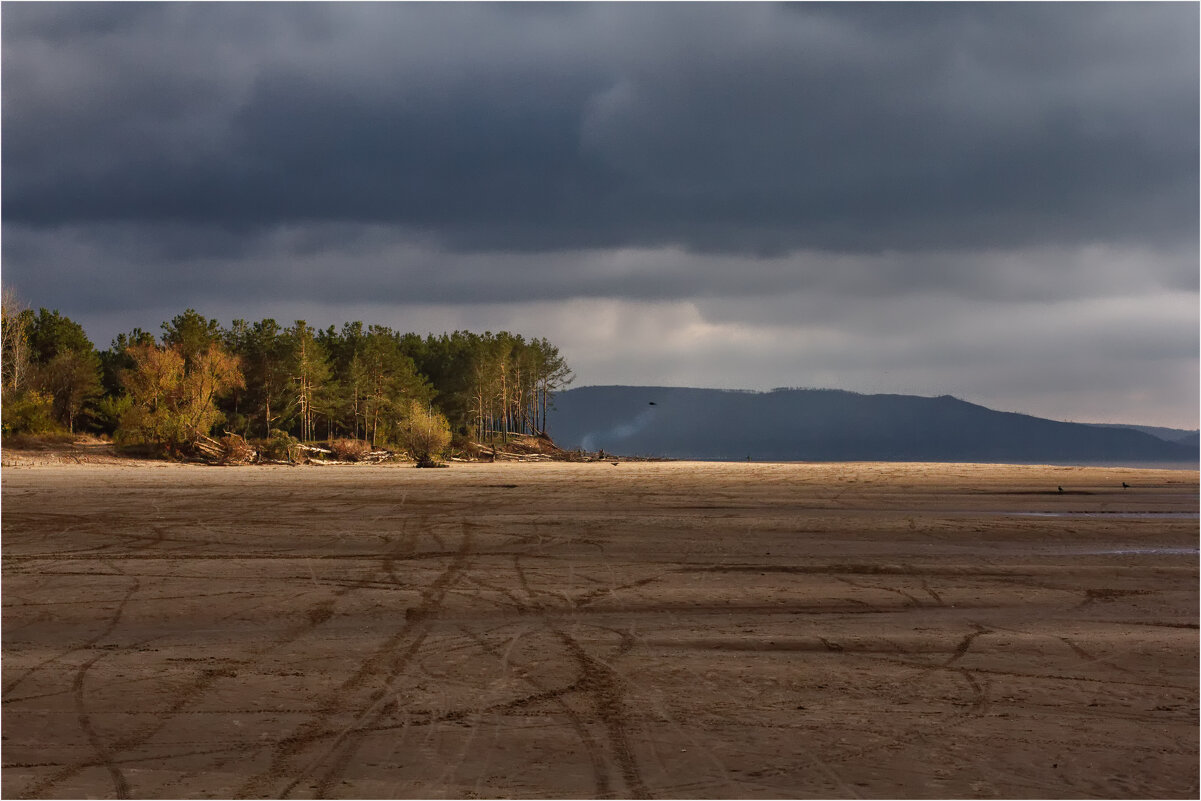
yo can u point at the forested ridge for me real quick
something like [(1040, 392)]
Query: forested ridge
[(789, 424), (262, 380)]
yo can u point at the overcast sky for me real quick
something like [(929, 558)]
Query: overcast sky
[(994, 201)]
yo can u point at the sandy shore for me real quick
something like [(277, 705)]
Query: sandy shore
[(585, 630)]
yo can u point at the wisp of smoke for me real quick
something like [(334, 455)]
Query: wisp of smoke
[(621, 431)]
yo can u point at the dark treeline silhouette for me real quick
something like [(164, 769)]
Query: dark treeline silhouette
[(260, 379)]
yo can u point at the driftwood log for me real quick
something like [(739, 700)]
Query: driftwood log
[(208, 447), (233, 450), (495, 454), (373, 457)]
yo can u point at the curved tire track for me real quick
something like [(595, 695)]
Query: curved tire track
[(606, 691), (113, 620), (388, 661), (120, 785)]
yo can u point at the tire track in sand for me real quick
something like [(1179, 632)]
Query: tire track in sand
[(606, 692), (185, 695), (592, 748), (113, 620), (120, 785), (966, 643), (388, 661), (103, 755)]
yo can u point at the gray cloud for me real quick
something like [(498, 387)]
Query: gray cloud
[(348, 263), (712, 127), (993, 200)]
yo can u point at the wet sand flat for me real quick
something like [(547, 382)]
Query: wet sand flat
[(586, 630)]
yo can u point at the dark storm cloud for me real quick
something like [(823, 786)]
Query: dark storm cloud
[(995, 200), (348, 263), (755, 129)]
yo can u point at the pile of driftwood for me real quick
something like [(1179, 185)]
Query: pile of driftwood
[(230, 449), (496, 455), (322, 456), (233, 449)]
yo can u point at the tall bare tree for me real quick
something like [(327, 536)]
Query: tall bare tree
[(15, 317), (308, 370)]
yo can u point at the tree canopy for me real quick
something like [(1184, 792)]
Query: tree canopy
[(257, 379)]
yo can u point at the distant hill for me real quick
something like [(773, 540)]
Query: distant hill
[(1181, 435), (1191, 441), (835, 425)]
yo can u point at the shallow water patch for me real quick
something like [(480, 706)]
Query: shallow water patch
[(1133, 551), (1114, 515)]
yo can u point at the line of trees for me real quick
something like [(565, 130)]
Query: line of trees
[(261, 379)]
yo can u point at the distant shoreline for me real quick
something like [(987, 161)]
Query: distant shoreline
[(14, 458), (1183, 466)]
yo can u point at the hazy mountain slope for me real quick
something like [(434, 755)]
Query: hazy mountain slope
[(832, 425), (1191, 441), (1168, 434)]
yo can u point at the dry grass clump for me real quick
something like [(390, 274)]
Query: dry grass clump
[(350, 450)]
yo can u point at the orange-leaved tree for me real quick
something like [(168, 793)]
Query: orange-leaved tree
[(174, 401)]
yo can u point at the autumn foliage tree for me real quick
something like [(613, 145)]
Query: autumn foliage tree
[(173, 399), (425, 432)]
